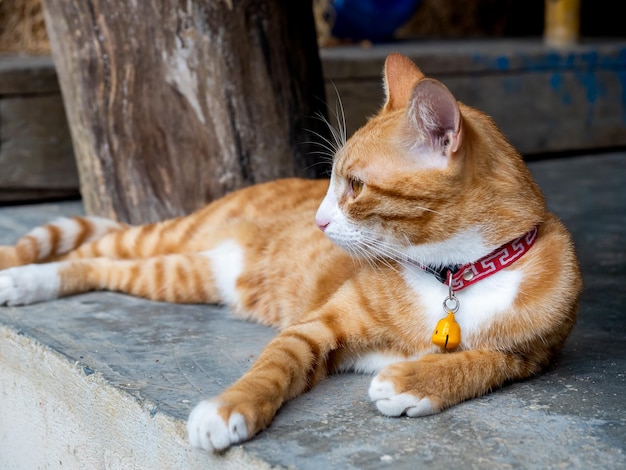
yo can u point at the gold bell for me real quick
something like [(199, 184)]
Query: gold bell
[(447, 332)]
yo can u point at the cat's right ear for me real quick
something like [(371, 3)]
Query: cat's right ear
[(434, 117), (400, 77)]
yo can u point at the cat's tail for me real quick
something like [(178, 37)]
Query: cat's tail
[(56, 238)]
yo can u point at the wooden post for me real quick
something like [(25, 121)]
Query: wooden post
[(174, 103)]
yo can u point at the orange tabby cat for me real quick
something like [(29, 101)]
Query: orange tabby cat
[(426, 206)]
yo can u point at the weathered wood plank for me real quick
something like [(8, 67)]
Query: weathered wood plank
[(35, 148), (36, 153), (545, 100), (27, 74), (466, 57)]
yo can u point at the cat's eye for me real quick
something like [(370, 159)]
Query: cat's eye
[(356, 186)]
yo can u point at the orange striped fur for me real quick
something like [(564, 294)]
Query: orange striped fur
[(427, 181)]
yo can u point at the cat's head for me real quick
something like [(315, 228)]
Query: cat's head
[(427, 178)]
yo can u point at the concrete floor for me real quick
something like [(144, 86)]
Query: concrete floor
[(105, 381)]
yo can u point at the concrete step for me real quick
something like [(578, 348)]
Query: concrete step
[(103, 380)]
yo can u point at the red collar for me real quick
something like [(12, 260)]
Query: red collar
[(498, 259)]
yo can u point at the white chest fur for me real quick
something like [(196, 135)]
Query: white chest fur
[(479, 303)]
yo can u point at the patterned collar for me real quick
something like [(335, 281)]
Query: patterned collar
[(468, 274)]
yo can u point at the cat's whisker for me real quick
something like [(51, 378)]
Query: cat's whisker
[(378, 252), (364, 254), (336, 136), (333, 131), (328, 157), (324, 151), (359, 251), (316, 164), (323, 160), (363, 257), (385, 251), (402, 258), (325, 145), (396, 252), (339, 133), (325, 142), (385, 248), (340, 111), (426, 209)]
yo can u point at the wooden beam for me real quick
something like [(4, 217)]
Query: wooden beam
[(173, 106)]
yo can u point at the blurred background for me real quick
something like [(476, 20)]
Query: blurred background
[(550, 72)]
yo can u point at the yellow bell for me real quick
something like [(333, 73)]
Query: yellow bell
[(447, 332)]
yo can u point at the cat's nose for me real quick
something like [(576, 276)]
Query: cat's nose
[(322, 224), (322, 220), (323, 216)]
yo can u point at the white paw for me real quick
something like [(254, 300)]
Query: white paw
[(29, 284), (207, 429), (390, 403)]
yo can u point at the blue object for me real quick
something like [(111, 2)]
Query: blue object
[(375, 20)]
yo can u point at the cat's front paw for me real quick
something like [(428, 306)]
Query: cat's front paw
[(29, 284), (390, 401), (212, 428)]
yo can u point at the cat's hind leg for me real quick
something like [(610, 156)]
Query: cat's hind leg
[(150, 240), (61, 236), (93, 237), (207, 277)]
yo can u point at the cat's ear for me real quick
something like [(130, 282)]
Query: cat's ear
[(400, 76), (434, 116)]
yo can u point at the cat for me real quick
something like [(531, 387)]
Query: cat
[(428, 259)]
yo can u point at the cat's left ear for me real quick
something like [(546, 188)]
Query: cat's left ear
[(400, 76), (434, 116)]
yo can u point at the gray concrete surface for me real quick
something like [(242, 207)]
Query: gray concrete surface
[(150, 362)]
